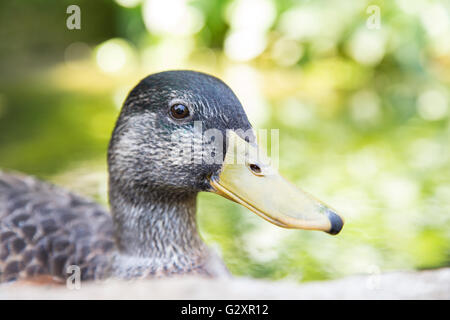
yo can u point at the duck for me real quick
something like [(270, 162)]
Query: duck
[(178, 133)]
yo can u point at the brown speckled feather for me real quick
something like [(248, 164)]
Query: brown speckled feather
[(44, 229)]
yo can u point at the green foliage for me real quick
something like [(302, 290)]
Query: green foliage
[(363, 117)]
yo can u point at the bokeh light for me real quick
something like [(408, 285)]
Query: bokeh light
[(367, 47), (114, 55), (247, 36), (172, 17), (128, 3), (433, 104)]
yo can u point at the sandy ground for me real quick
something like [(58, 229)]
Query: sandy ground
[(433, 284)]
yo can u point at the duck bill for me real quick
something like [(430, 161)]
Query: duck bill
[(246, 177)]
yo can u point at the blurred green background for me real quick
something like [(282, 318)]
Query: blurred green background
[(362, 108)]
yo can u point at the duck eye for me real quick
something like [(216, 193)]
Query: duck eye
[(179, 111)]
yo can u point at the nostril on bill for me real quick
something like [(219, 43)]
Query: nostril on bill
[(255, 169)]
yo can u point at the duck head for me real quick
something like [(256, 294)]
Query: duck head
[(182, 132)]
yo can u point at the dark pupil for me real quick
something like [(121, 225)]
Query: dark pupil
[(179, 111)]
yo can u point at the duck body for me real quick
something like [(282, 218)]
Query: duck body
[(45, 229), (175, 137), (151, 230)]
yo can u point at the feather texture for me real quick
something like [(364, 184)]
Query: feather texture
[(44, 229)]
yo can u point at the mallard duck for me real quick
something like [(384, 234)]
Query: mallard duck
[(162, 153)]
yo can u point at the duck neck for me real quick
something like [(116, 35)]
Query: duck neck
[(160, 225)]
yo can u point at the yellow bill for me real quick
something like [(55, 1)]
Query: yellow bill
[(248, 178)]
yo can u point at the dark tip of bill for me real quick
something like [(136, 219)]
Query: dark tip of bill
[(336, 223)]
